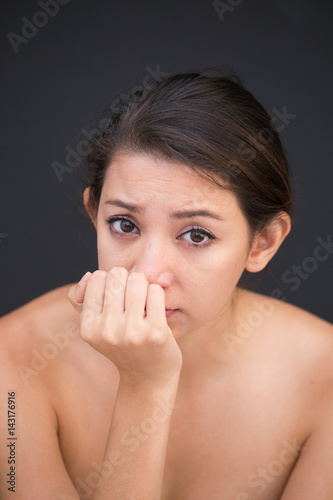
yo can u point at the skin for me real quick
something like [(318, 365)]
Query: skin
[(237, 387)]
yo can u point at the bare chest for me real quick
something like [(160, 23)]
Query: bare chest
[(239, 448), (226, 444)]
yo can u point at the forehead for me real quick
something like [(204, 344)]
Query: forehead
[(147, 179)]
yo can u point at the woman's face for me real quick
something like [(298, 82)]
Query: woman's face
[(185, 234)]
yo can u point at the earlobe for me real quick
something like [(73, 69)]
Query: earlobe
[(88, 206), (267, 242)]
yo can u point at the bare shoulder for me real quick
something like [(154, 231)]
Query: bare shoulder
[(302, 342), (41, 351), (310, 334), (299, 342), (299, 366), (44, 325), (290, 321), (33, 341)]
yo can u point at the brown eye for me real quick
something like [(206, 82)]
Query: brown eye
[(197, 236), (122, 227), (126, 226)]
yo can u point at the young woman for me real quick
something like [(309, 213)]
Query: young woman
[(172, 382)]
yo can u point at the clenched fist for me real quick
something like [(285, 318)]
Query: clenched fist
[(123, 317)]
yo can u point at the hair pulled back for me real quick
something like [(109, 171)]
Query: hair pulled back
[(208, 122)]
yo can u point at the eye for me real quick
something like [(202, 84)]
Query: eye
[(122, 226), (198, 237)]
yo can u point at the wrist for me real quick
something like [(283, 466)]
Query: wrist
[(148, 399), (150, 386)]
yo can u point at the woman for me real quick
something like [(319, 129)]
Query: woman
[(173, 382)]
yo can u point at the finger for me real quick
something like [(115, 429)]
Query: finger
[(76, 292), (114, 299), (94, 295), (156, 304), (136, 296)]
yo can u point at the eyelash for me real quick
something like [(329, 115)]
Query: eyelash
[(111, 220)]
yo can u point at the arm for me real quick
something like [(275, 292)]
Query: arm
[(31, 464), (137, 443), (123, 317)]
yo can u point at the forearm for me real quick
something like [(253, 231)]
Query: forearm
[(137, 443), (132, 331)]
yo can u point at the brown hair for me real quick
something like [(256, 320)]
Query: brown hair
[(209, 122)]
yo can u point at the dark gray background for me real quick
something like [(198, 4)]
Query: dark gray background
[(90, 51)]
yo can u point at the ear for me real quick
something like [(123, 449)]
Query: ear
[(88, 206), (267, 243)]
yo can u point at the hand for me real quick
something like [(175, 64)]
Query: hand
[(123, 317)]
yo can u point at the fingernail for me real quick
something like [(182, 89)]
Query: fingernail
[(84, 278)]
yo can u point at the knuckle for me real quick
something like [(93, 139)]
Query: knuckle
[(107, 336), (86, 332), (134, 334), (154, 288), (138, 277), (157, 333), (133, 341), (98, 274), (157, 338), (115, 280), (118, 272)]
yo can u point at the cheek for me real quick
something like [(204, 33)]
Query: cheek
[(107, 258), (110, 255), (215, 280), (232, 268)]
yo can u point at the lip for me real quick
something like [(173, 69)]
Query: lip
[(170, 312)]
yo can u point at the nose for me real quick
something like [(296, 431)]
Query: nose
[(154, 262)]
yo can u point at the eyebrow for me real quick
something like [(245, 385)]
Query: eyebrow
[(181, 214)]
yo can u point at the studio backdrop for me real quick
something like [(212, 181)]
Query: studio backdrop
[(64, 61)]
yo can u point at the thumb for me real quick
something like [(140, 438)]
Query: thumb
[(76, 292)]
